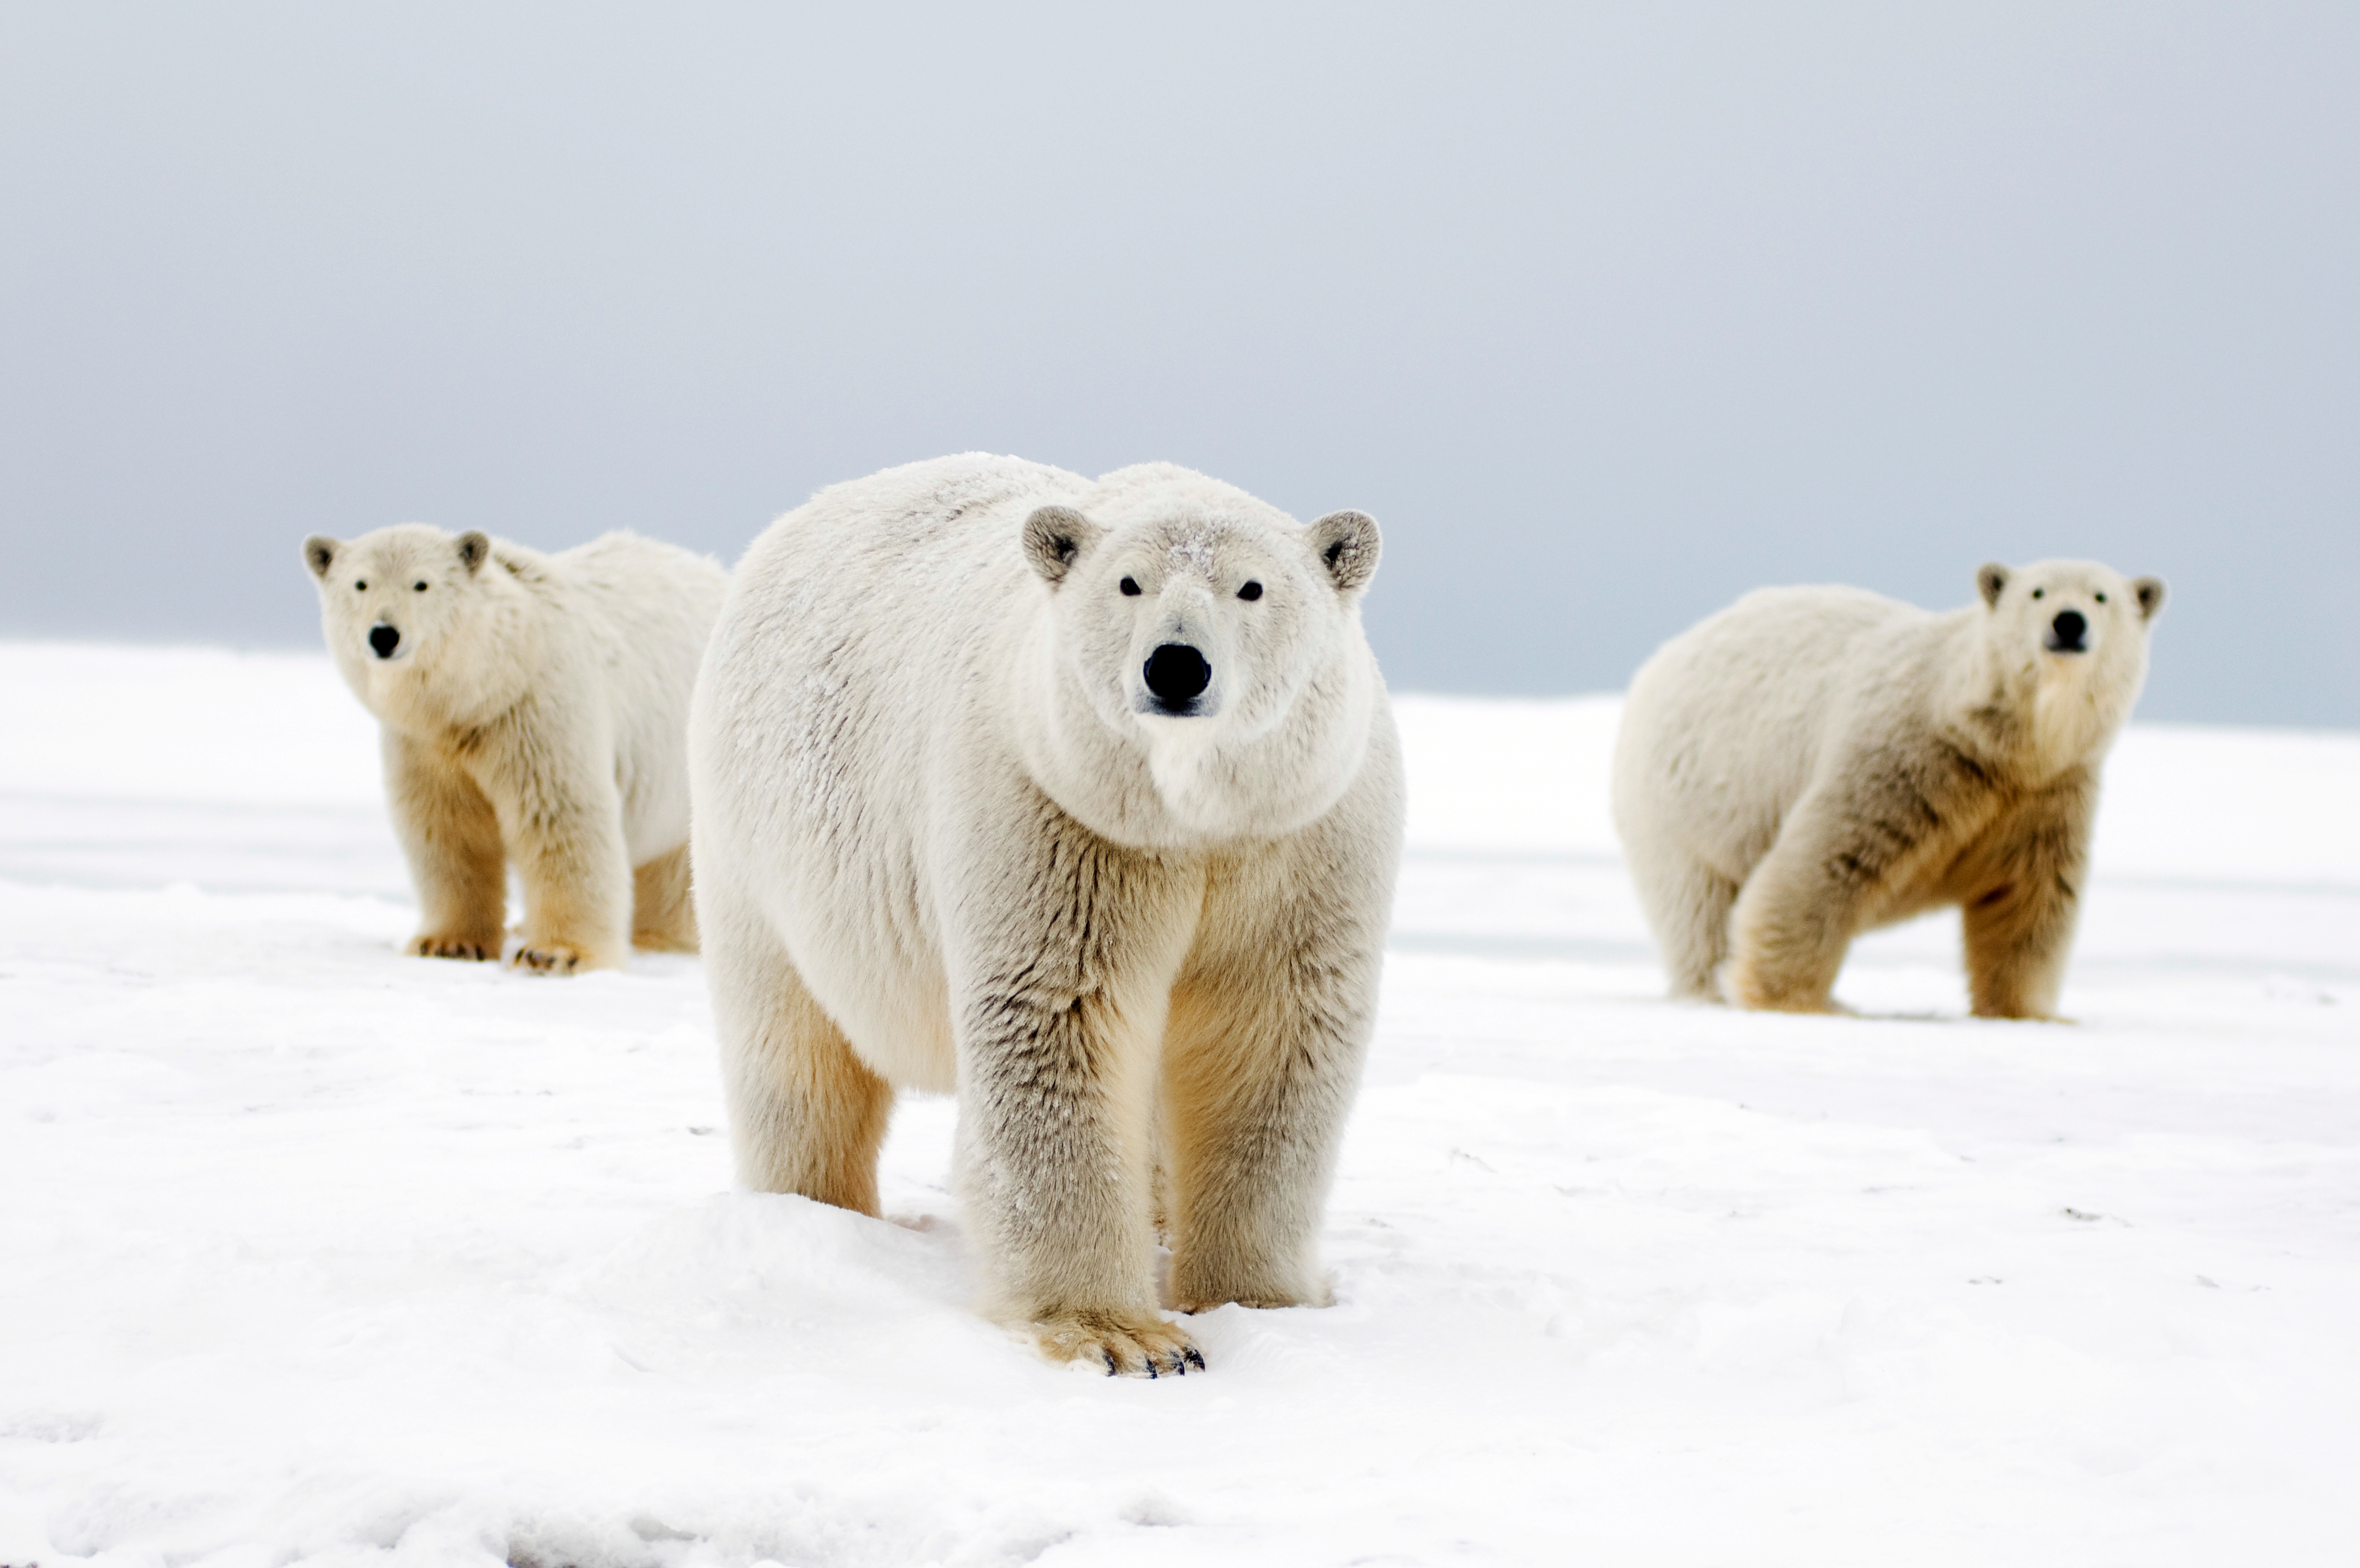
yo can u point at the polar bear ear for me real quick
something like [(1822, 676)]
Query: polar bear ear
[(1347, 545), (2151, 595), (475, 549), (1056, 537), (1990, 578), (320, 554)]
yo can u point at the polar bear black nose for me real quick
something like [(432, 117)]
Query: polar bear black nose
[(2070, 626), (385, 640), (1177, 675)]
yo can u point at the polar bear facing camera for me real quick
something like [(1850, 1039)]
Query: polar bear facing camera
[(535, 712), (1812, 763), (1082, 801)]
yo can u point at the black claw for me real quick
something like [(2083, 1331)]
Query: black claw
[(1150, 1358), (1110, 1361), (1179, 1364), (1195, 1357)]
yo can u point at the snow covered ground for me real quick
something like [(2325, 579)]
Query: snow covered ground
[(316, 1253)]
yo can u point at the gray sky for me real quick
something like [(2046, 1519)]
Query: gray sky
[(1607, 314)]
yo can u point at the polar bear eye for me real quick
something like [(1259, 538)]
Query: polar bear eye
[(419, 586), (2037, 592), (361, 586), (1251, 592), (2102, 599), (1130, 589)]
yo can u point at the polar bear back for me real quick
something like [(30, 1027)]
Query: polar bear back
[(636, 611), (842, 627), (1726, 726), (857, 627)]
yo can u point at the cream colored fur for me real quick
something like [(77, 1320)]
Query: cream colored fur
[(940, 844), (535, 712), (1813, 763)]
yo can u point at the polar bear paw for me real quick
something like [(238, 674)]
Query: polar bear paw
[(1128, 1344), (551, 958), (1755, 988), (434, 945)]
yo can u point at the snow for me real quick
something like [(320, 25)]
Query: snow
[(315, 1253)]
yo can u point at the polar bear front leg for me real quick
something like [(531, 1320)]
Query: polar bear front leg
[(1259, 1084), (2020, 917), (562, 817), (1058, 994), (451, 836), (1261, 1057), (577, 892), (1052, 1161)]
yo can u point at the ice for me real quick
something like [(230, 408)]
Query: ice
[(315, 1253)]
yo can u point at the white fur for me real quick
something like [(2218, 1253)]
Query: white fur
[(943, 841), (1815, 762), (535, 709)]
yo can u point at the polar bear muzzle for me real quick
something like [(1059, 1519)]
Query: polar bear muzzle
[(2067, 631), (383, 640)]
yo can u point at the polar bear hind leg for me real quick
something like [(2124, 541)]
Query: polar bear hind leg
[(1797, 915), (806, 1115), (663, 917), (1687, 903)]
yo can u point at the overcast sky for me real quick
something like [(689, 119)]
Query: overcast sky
[(1607, 314)]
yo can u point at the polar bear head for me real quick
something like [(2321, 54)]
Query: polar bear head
[(2070, 637), (1201, 633), (396, 603)]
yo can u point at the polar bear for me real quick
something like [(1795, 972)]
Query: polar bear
[(1814, 762), (1082, 801), (535, 711)]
